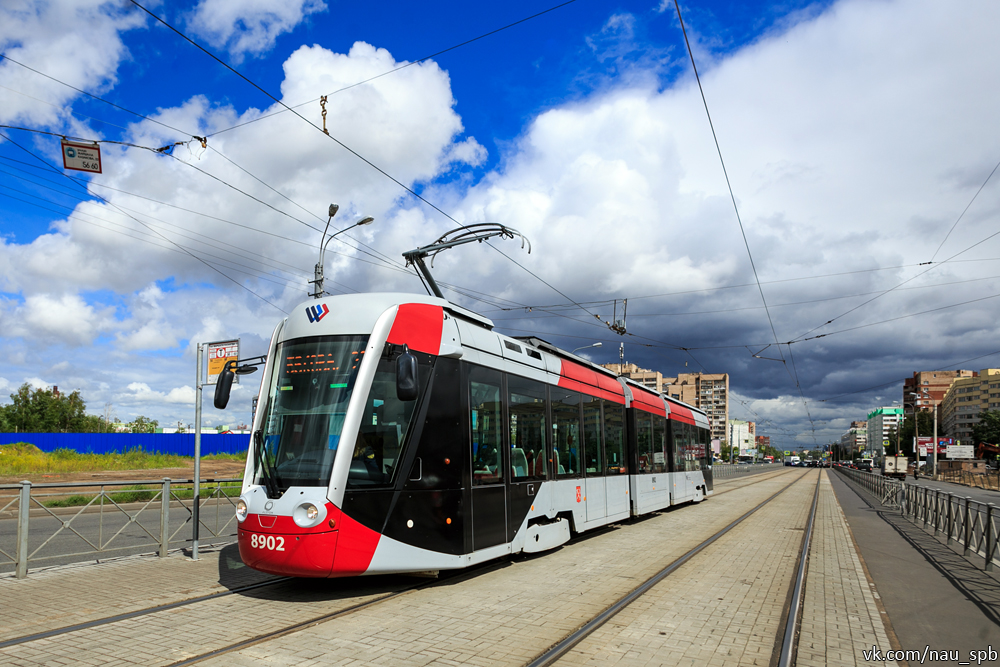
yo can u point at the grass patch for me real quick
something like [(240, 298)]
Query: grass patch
[(143, 494), (23, 458), (72, 501)]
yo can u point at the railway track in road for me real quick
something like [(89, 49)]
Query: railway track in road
[(285, 606), (786, 641)]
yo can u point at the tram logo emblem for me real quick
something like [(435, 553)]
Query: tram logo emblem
[(316, 313)]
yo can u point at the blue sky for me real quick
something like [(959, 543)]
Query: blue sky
[(854, 133)]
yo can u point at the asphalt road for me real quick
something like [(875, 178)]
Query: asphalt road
[(113, 531), (934, 597), (981, 495)]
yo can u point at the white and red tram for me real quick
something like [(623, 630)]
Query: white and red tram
[(510, 445)]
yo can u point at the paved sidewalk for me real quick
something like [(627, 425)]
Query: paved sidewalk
[(69, 595), (840, 617), (939, 601), (504, 614), (723, 607)]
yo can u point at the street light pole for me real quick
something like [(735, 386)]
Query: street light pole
[(586, 346), (916, 438), (935, 441), (324, 242)]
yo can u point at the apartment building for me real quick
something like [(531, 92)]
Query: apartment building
[(647, 378), (741, 434), (966, 398), (931, 387), (883, 424), (705, 391), (708, 392), (856, 438)]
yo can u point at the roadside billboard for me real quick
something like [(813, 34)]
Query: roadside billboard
[(925, 445), (218, 354)]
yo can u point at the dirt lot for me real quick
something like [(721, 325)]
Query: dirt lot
[(209, 470)]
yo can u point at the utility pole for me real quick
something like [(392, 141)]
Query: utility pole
[(195, 514), (935, 441)]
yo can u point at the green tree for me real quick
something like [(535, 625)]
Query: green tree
[(988, 428), (924, 425), (143, 425), (45, 411)]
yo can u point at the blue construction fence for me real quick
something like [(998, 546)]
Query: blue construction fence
[(181, 444)]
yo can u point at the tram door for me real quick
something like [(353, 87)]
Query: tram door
[(489, 503), (593, 463), (615, 462), (529, 452)]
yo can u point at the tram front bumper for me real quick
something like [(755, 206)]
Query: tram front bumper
[(289, 554)]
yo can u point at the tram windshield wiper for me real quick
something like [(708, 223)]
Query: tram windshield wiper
[(267, 474)]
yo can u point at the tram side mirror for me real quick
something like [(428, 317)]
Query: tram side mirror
[(406, 376), (224, 385)]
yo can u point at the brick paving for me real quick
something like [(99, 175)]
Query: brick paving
[(840, 617), (502, 615), (510, 615), (723, 607), (58, 597)]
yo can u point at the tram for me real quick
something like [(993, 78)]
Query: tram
[(401, 433)]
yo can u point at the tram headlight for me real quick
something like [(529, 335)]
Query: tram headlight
[(308, 515), (241, 509)]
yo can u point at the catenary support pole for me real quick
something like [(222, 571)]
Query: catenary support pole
[(196, 501), (164, 517), (23, 512)]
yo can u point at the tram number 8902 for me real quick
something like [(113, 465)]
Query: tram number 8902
[(269, 542)]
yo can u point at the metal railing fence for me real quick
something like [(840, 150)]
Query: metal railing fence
[(726, 470), (57, 521), (962, 521), (978, 480)]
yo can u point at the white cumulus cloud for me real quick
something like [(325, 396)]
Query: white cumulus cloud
[(249, 26)]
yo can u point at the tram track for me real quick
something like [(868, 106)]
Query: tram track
[(788, 635), (118, 618), (553, 654), (338, 613)]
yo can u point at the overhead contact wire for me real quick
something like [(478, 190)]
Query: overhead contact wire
[(350, 150)]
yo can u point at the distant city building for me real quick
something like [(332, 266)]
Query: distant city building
[(966, 398), (856, 438), (647, 378), (932, 387), (706, 391), (883, 423), (741, 436), (763, 441)]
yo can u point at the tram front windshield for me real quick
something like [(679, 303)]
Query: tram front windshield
[(311, 386)]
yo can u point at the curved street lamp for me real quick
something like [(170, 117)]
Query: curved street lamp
[(324, 242), (586, 346)]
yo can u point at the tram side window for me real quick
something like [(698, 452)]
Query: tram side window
[(614, 438), (660, 452), (680, 445), (592, 437), (644, 440), (385, 426), (526, 402), (487, 438), (704, 446), (565, 431)]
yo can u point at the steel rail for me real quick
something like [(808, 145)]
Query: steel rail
[(790, 641), (560, 649), (137, 613)]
